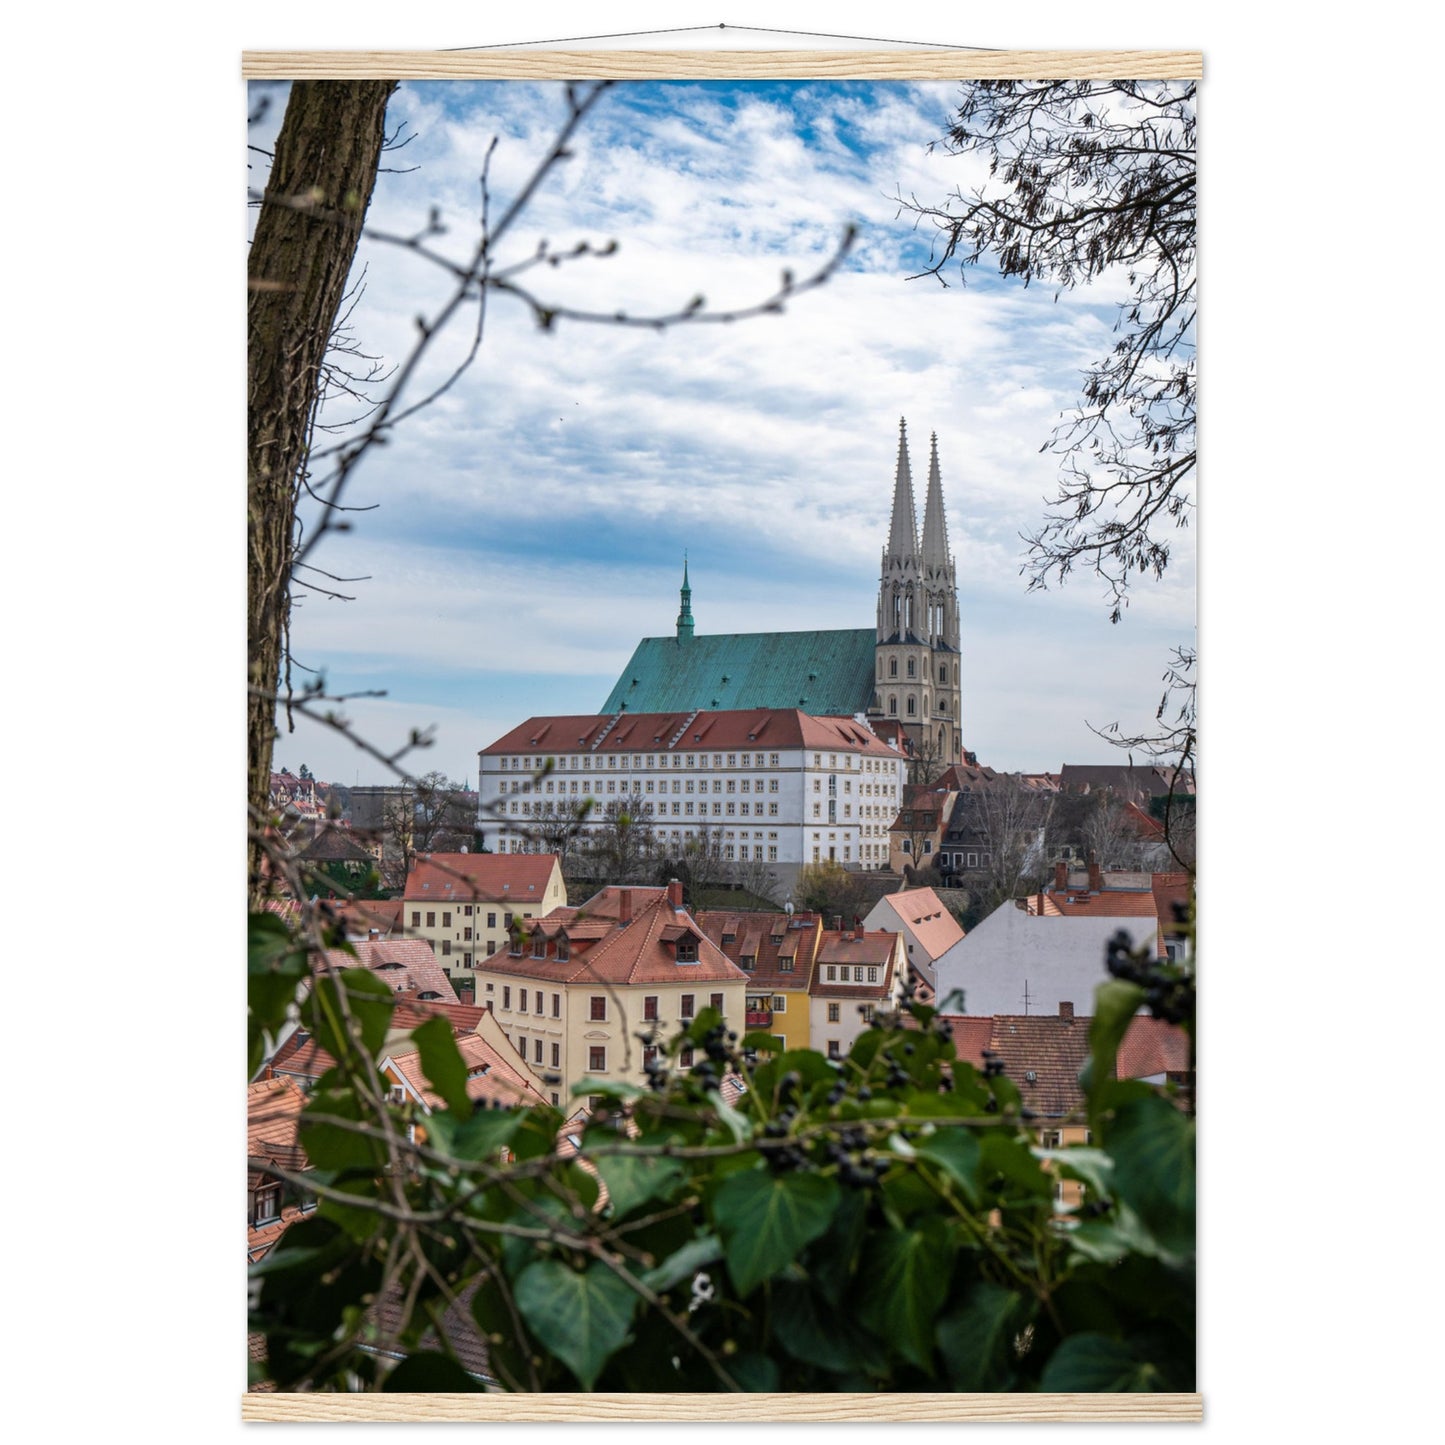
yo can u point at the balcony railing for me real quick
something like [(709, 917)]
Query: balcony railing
[(759, 1018)]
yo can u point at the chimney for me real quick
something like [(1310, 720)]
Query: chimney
[(1066, 1010), (1096, 874), (374, 934), (674, 892), (1061, 876), (624, 905)]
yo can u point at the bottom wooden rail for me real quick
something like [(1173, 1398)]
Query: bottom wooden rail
[(581, 1409)]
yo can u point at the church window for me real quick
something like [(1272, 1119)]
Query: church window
[(911, 707), (912, 667), (892, 667), (892, 707), (943, 704), (943, 672)]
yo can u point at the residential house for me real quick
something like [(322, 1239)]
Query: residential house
[(856, 973), (408, 965), (929, 929), (915, 836), (577, 987), (1031, 954), (776, 952), (465, 904), (273, 1108), (1042, 1054)]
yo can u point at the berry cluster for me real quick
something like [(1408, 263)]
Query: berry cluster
[(1168, 989)]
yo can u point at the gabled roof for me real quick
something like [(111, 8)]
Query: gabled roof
[(1054, 1048), (854, 946), (361, 916), (492, 1077), (480, 877), (817, 672), (407, 964), (273, 1107), (752, 935), (636, 952), (924, 915)]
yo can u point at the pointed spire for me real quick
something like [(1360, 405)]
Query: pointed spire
[(684, 616), (903, 530), (935, 527)]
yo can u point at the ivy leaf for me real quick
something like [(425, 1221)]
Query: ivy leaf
[(633, 1179), (976, 1339), (484, 1134), (442, 1063), (684, 1264), (957, 1152), (754, 1372), (1096, 1364), (370, 1003), (829, 1343), (908, 1277), (430, 1372), (1152, 1144), (582, 1319), (1115, 1004), (766, 1219)]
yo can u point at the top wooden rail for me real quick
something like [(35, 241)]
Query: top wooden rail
[(722, 65)]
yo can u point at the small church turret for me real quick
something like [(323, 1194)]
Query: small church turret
[(684, 616)]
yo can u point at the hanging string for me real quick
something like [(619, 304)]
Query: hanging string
[(692, 29)]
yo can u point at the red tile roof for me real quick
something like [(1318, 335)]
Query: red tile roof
[(492, 1077), (404, 963), (365, 914), (876, 948), (665, 731), (273, 1107), (1151, 1046), (627, 953), (485, 877), (752, 935), (932, 925), (1054, 1048)]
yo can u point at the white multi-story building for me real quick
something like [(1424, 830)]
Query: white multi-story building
[(764, 785)]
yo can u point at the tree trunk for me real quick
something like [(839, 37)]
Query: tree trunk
[(306, 235)]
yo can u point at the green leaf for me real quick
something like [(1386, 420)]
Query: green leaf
[(369, 1002), (1091, 1166), (766, 1219), (442, 1063), (1115, 1004), (829, 1342), (334, 1146), (976, 1339), (632, 1179), (957, 1152), (754, 1372), (1152, 1144), (484, 1135), (582, 1319), (430, 1372), (1096, 1364), (907, 1284), (685, 1263)]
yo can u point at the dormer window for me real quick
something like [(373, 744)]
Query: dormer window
[(687, 950), (539, 945), (267, 1206), (749, 961)]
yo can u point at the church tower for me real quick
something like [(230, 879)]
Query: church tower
[(917, 674)]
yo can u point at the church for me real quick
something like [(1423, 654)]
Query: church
[(902, 674)]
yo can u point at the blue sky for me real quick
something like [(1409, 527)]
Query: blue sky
[(530, 526)]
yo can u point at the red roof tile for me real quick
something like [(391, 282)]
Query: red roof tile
[(404, 963), (1151, 1046), (770, 940), (854, 947), (930, 922), (665, 731), (492, 1077), (486, 877)]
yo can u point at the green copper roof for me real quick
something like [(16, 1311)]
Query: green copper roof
[(821, 673)]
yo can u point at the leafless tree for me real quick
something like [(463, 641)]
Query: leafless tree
[(1087, 177), (1011, 818), (310, 219)]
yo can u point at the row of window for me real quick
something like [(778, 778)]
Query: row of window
[(597, 1004), (691, 760), (913, 669), (431, 919)]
